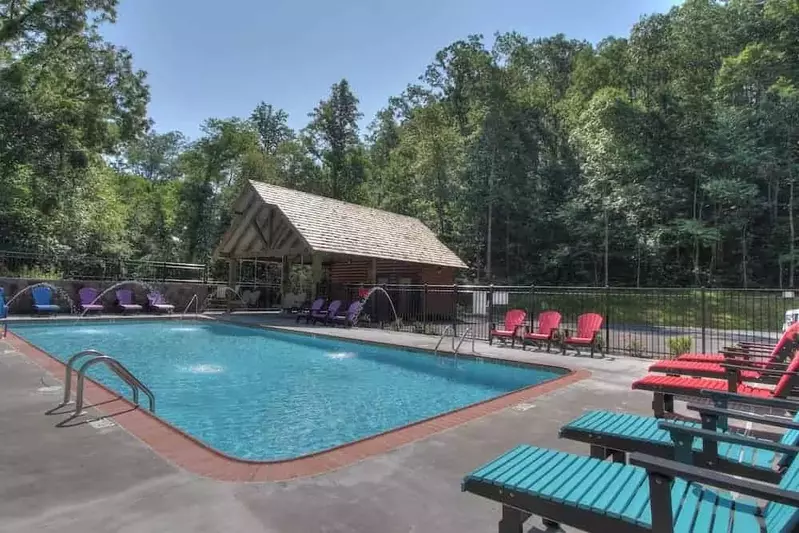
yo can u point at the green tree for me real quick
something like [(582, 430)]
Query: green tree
[(332, 139)]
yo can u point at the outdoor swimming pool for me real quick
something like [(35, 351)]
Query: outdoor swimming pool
[(267, 395)]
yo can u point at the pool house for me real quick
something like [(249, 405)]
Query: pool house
[(344, 245)]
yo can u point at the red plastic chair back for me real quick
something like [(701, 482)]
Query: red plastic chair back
[(783, 387), (588, 324), (549, 320), (514, 318), (787, 337)]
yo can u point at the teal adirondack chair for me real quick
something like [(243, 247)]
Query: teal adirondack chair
[(650, 494), (612, 434)]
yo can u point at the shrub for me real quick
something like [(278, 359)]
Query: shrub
[(634, 347), (680, 345)]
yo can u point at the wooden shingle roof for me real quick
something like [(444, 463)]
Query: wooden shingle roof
[(333, 226)]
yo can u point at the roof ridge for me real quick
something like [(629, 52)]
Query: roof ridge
[(329, 199), (344, 227)]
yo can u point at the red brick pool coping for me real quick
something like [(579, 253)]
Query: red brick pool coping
[(196, 457)]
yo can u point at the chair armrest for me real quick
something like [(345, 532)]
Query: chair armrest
[(768, 420), (757, 345), (724, 396), (673, 469), (731, 438), (764, 371)]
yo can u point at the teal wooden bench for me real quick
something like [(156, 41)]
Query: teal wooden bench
[(612, 434), (650, 494)]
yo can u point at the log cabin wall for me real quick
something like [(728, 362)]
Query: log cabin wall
[(343, 274)]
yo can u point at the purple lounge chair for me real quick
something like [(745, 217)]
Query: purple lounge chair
[(43, 300), (316, 306), (157, 302), (327, 314), (348, 320), (87, 296), (125, 300)]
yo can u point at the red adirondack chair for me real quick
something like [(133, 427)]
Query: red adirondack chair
[(548, 324), (510, 330), (666, 387), (588, 326)]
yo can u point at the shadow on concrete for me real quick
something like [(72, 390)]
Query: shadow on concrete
[(60, 408), (68, 422)]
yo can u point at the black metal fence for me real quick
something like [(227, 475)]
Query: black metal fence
[(639, 322), (73, 266)]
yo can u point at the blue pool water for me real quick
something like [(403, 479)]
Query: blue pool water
[(267, 395)]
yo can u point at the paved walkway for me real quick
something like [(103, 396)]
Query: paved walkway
[(102, 479)]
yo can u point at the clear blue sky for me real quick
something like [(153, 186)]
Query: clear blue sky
[(219, 59)]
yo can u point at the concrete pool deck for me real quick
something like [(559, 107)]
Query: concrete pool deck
[(99, 477)]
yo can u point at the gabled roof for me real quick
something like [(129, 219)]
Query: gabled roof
[(332, 226)]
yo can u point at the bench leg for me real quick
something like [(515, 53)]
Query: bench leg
[(659, 405), (598, 452), (668, 403), (551, 524), (512, 520)]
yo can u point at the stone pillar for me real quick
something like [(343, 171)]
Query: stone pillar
[(232, 273), (285, 280), (316, 274), (373, 272)]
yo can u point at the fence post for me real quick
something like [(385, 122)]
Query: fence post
[(607, 319), (424, 309), (704, 319), (455, 314), (490, 308)]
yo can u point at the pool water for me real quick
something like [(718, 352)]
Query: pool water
[(268, 395)]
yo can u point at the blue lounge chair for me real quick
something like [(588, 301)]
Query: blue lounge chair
[(612, 434), (651, 495), (316, 307), (43, 300), (326, 315), (3, 312)]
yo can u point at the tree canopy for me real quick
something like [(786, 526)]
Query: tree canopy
[(665, 157)]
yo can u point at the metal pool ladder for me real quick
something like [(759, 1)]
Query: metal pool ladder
[(457, 348), (194, 300), (115, 366)]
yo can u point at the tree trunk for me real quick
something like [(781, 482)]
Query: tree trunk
[(638, 262), (490, 216), (507, 243), (744, 273), (607, 244), (696, 239), (792, 265)]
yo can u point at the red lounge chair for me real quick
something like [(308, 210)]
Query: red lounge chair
[(588, 326), (513, 321), (719, 370), (666, 387), (548, 324), (756, 355)]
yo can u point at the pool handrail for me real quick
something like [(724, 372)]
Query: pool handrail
[(196, 302), (444, 334), (463, 338), (68, 372), (120, 370)]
